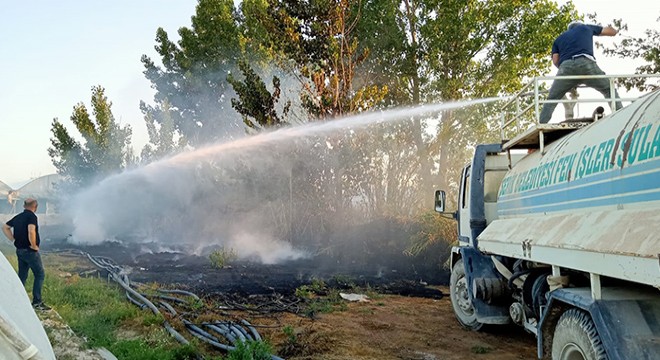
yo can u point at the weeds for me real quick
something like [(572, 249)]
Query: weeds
[(481, 349), (366, 311), (223, 257), (316, 288), (250, 350), (303, 292), (320, 298), (99, 312), (304, 342), (372, 293), (196, 304), (343, 281), (291, 344)]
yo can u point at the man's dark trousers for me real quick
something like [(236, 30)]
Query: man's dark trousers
[(577, 66), (31, 260)]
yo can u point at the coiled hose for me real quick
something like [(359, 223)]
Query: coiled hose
[(231, 331)]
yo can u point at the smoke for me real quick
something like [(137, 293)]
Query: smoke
[(272, 197), (262, 247), (225, 199)]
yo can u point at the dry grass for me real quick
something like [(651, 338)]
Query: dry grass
[(389, 327)]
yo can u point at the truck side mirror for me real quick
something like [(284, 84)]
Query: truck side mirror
[(440, 201)]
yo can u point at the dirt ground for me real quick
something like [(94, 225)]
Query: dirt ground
[(417, 325), (398, 327)]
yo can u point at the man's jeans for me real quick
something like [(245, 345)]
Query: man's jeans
[(29, 259), (577, 66)]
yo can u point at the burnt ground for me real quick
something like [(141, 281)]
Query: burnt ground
[(369, 254), (399, 275), (387, 327), (413, 320)]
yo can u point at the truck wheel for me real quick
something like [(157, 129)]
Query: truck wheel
[(576, 338), (460, 298)]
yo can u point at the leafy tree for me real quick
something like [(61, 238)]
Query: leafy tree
[(491, 50), (316, 41), (105, 148), (346, 57), (255, 103), (645, 47), (193, 75), (162, 134)]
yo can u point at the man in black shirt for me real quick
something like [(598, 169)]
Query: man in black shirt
[(26, 239)]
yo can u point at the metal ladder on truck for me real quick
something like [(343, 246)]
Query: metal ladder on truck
[(520, 127)]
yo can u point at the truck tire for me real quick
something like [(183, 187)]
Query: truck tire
[(460, 298), (576, 338)]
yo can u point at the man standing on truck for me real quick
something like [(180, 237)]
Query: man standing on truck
[(26, 240), (573, 54)]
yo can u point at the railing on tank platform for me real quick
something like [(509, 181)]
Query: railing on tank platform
[(520, 127)]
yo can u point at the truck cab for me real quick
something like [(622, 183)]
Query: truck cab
[(487, 174)]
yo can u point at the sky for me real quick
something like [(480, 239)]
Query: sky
[(53, 52)]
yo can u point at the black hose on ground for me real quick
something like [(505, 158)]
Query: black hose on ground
[(234, 339), (255, 333), (175, 334), (237, 332), (170, 298), (243, 331), (224, 332), (135, 302), (180, 292), (143, 300), (136, 294), (126, 279), (233, 332), (211, 342), (169, 308), (205, 336), (210, 339)]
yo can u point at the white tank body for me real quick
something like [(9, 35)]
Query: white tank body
[(593, 197)]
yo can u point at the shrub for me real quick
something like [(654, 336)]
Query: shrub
[(250, 350), (222, 257)]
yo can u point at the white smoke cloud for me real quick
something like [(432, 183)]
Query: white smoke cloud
[(229, 194), (264, 248)]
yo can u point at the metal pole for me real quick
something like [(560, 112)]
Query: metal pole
[(518, 114), (612, 100), (502, 126), (536, 100)]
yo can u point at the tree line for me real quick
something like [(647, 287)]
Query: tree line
[(274, 63)]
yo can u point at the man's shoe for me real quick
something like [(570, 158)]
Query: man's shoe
[(41, 306)]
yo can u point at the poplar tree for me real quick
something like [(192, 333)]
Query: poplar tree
[(105, 146)]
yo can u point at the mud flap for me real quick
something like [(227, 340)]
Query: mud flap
[(480, 266)]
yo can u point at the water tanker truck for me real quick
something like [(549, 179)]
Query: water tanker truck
[(562, 237)]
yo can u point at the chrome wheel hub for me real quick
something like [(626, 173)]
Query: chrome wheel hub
[(462, 297), (572, 352)]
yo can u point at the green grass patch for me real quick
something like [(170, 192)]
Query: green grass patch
[(481, 349), (320, 299), (98, 311), (250, 350)]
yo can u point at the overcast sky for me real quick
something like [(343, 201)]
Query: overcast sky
[(53, 52)]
